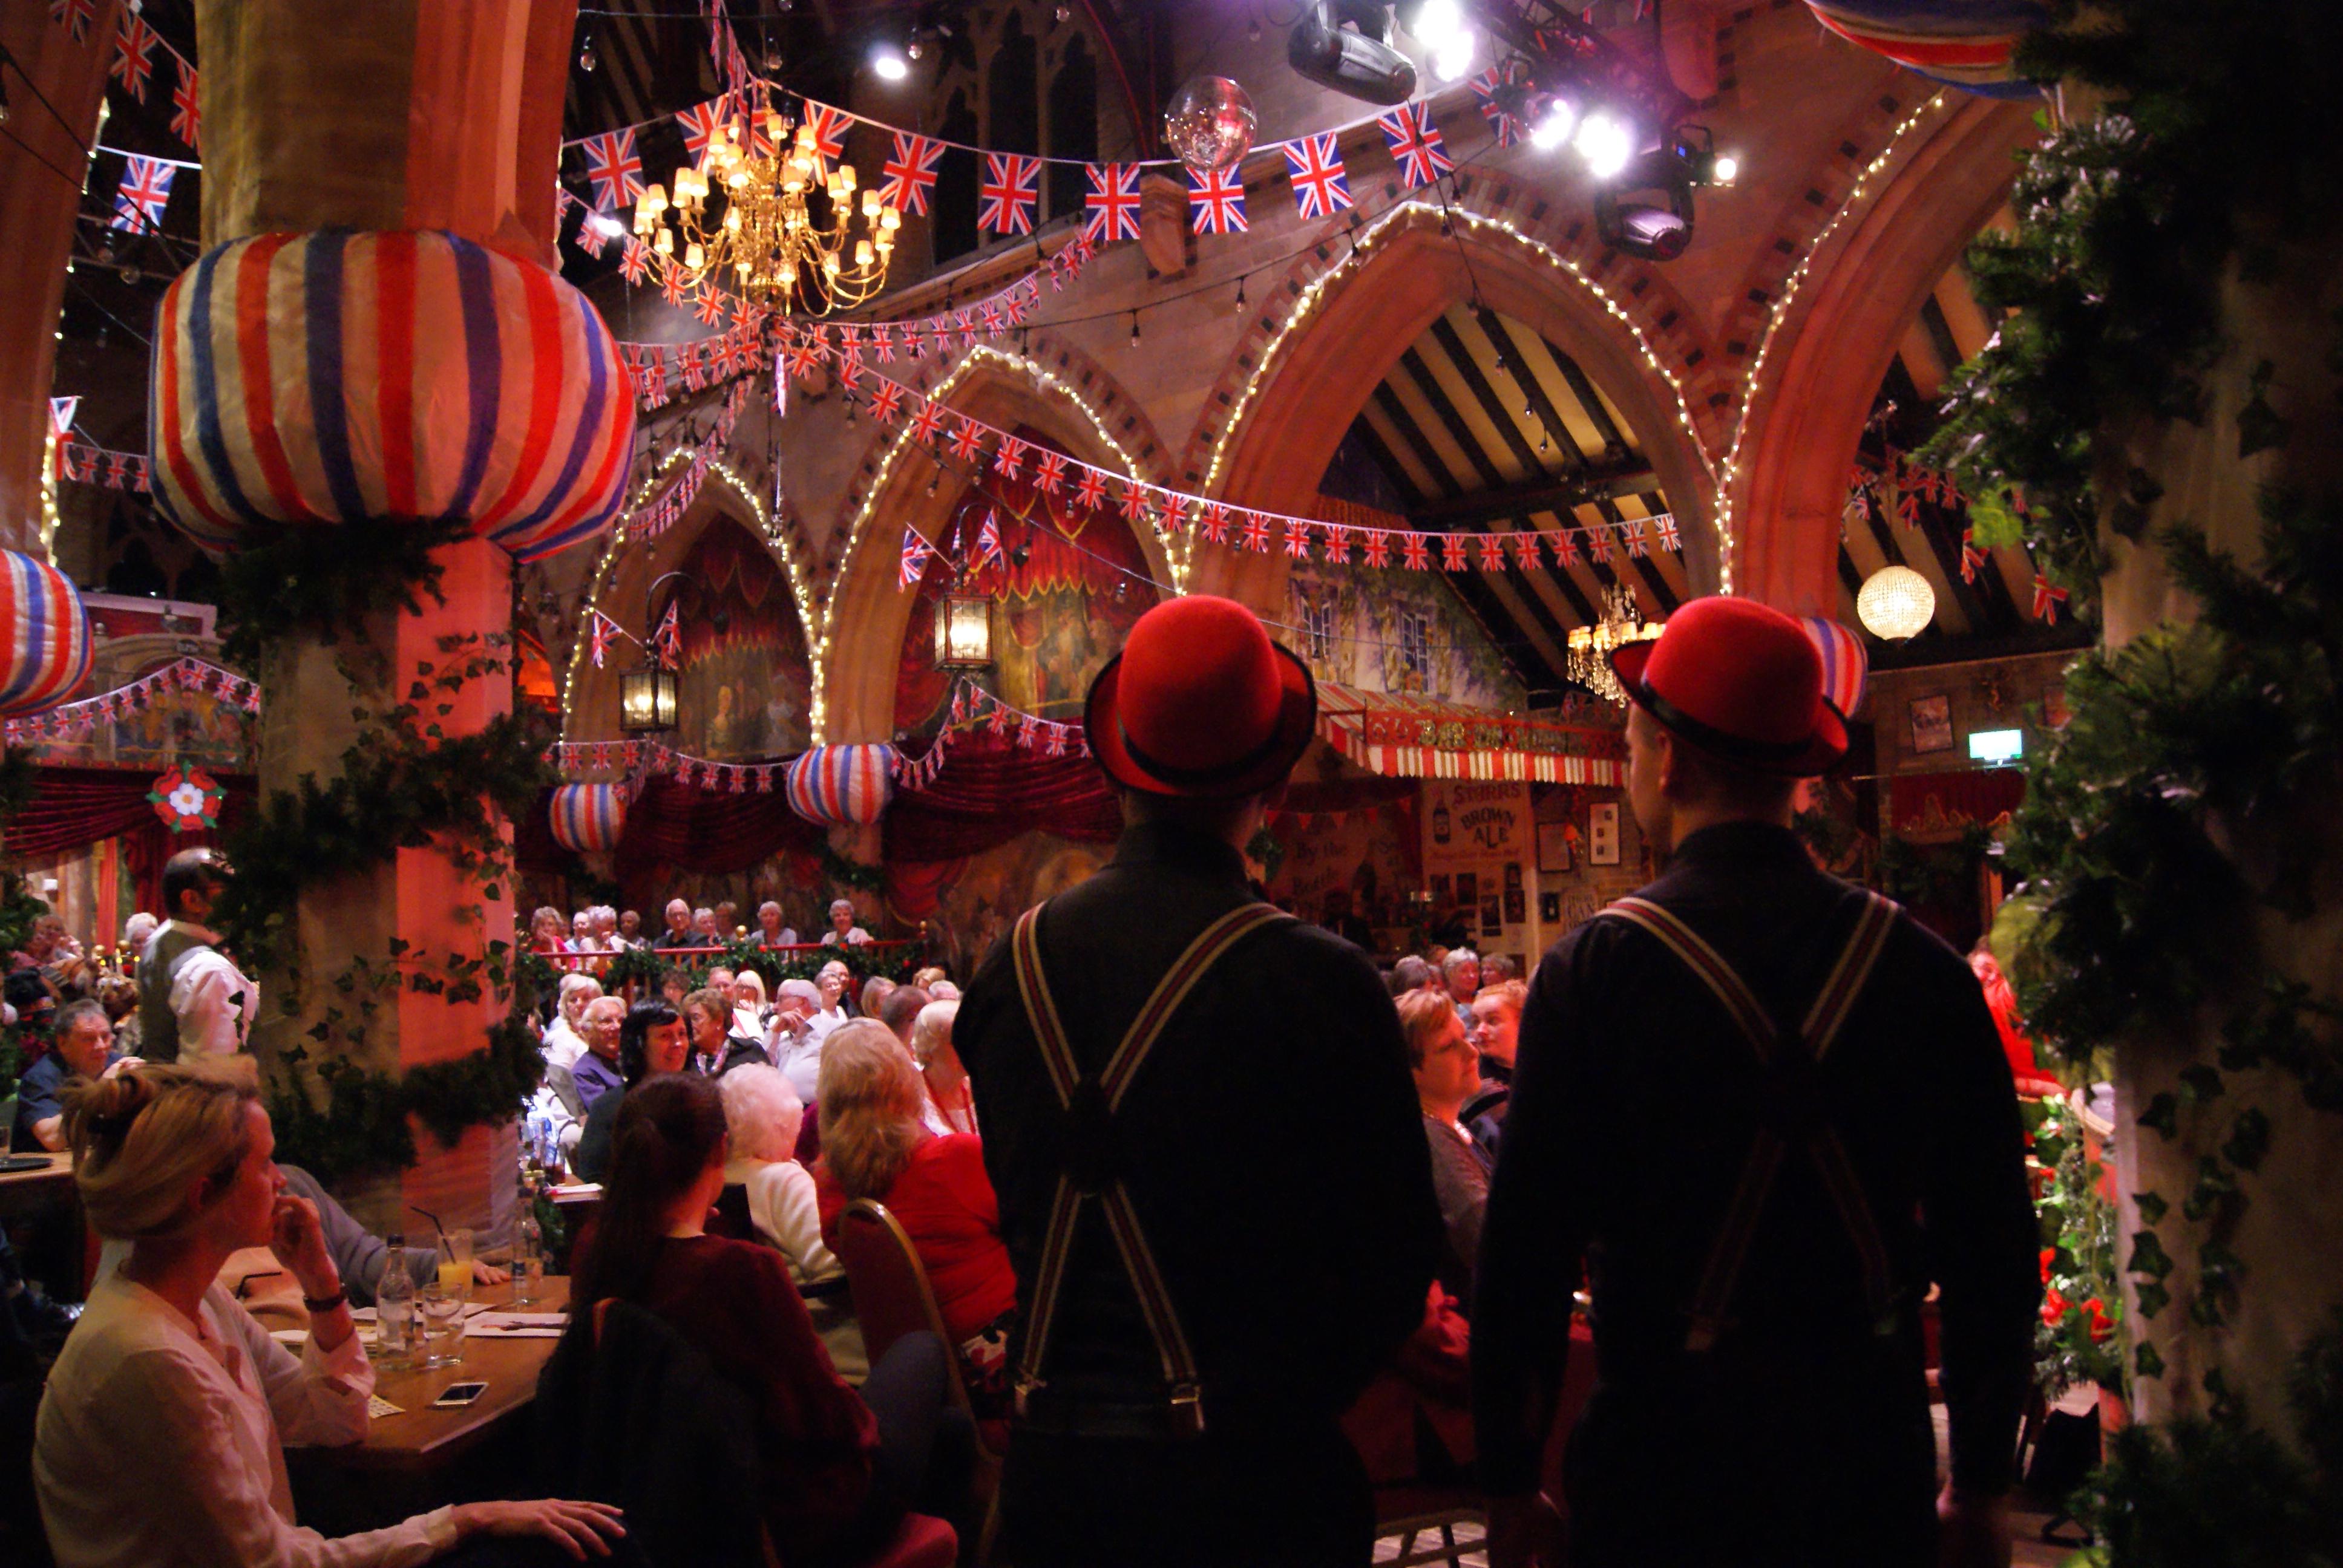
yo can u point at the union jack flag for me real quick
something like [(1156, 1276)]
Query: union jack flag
[(590, 238), (1413, 548), (1320, 187), (672, 283), (1216, 202), (928, 423), (133, 55), (887, 402), (1508, 130), (669, 639), (1451, 552), (1415, 145), (138, 480), (598, 647), (917, 554), (828, 127), (1009, 459), (1525, 549), (634, 260), (1564, 545), (186, 122), (1089, 493), (1669, 540), (1378, 547), (991, 314), (1134, 500), (988, 538), (613, 169), (1493, 552), (907, 176), (1049, 473), (1113, 203), (1169, 509), (1006, 197), (1598, 543), (968, 441), (79, 16), (1637, 546), (699, 125), (712, 307), (882, 339), (1216, 523), (1972, 557), (998, 722), (801, 358), (1253, 533), (116, 465), (1337, 541), (61, 415), (2046, 599), (145, 192)]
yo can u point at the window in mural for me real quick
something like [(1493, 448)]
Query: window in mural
[(1066, 589), (1318, 631), (1413, 654), (744, 682)]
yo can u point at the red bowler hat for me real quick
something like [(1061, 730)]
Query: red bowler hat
[(1199, 702), (1741, 682)]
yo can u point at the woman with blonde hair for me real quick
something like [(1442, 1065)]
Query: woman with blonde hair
[(768, 1197), (875, 1145), (161, 1430), (952, 1106)]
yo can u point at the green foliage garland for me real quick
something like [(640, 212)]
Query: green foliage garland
[(2077, 1339), (325, 582)]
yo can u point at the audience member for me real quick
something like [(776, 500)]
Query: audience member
[(875, 991), (1460, 972), (768, 1197), (899, 1008), (1411, 973), (84, 1048), (631, 928), (1447, 1071), (678, 932), (842, 927), (193, 1002), (728, 920), (943, 990), (651, 1041), (836, 1470), (833, 983), (1496, 969), (160, 1433), (1496, 1025), (951, 1107), (596, 1071), (926, 979), (791, 1040), (363, 1257), (748, 1005), (118, 994), (547, 931), (772, 931), (563, 1045), (604, 930), (675, 984), (874, 1145), (135, 932), (714, 1049), (703, 928), (582, 931)]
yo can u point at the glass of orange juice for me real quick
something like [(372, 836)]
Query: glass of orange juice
[(456, 1262)]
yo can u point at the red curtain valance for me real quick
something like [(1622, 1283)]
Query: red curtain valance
[(1947, 802), (72, 808), (990, 791)]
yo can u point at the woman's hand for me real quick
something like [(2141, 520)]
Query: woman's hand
[(299, 1239), (488, 1273), (580, 1528)]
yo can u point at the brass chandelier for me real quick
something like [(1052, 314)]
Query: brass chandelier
[(1591, 646), (766, 241)]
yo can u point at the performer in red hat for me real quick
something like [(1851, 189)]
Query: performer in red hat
[(1199, 1120), (1771, 1108)]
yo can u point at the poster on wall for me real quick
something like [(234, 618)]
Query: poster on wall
[(1603, 834), (1479, 836)]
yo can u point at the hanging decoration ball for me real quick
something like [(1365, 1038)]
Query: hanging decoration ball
[(1896, 603), (49, 647), (585, 819), (1209, 124), (187, 799), (1965, 43), (381, 378), (838, 785), (1846, 662)]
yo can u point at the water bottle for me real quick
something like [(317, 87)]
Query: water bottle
[(529, 1251), (394, 1308)]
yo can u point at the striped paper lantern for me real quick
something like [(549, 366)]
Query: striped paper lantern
[(586, 818), (834, 785), (48, 636), (1846, 662), (343, 378), (1963, 44)]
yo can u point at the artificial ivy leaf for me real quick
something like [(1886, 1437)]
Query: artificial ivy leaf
[(2149, 1256), (2153, 1299), (2152, 1206), (2259, 425), (2200, 1083), (2146, 1361), (2162, 1114), (2249, 1138)]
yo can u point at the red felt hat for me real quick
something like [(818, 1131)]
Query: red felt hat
[(1199, 702), (1740, 681)]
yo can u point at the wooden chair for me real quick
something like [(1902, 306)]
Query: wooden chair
[(1414, 1511), (893, 1297)]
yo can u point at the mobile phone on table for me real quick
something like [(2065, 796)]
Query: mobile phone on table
[(456, 1395)]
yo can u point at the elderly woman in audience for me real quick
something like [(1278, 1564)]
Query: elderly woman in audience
[(927, 977), (1495, 1029), (842, 929), (547, 931), (834, 981), (160, 1432), (1447, 1071), (874, 1145), (837, 1470), (748, 1005), (773, 930), (716, 1050), (768, 1197), (651, 1041), (952, 1106), (873, 1000), (1410, 973), (562, 1042)]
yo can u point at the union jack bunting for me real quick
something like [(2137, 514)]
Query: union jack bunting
[(133, 55), (1972, 557), (117, 464), (887, 402), (906, 179), (1297, 538), (712, 307), (673, 285), (1413, 548), (1415, 145), (1049, 473), (928, 423), (634, 260), (1321, 188), (145, 192), (1451, 552), (968, 441), (988, 538), (78, 15), (598, 646), (1112, 204), (1134, 500), (669, 639), (186, 123), (828, 127), (1337, 542), (1566, 549), (1525, 549), (1598, 543), (613, 169), (1378, 547), (882, 340), (1011, 458), (139, 480), (1169, 509), (1493, 552), (1508, 130), (590, 238), (1008, 192), (991, 314), (61, 415), (1090, 491), (2046, 599), (1215, 522), (1669, 540), (802, 359), (1637, 546), (699, 125), (1216, 201), (1255, 535), (917, 554)]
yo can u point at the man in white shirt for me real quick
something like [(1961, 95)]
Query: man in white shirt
[(842, 927), (800, 1023), (193, 1002)]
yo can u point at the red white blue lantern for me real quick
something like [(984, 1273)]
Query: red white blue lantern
[(1846, 662), (836, 785), (49, 647), (347, 377), (1965, 43), (585, 819)]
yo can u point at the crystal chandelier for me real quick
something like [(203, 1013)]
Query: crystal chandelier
[(768, 242), (1591, 646)]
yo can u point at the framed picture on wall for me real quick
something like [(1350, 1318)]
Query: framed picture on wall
[(1468, 889), (1517, 905), (1493, 917), (1512, 875), (1550, 908), (1932, 723), (1553, 848), (1603, 834), (1440, 893)]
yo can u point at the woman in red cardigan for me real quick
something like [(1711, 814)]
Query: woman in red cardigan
[(839, 1469), (874, 1145)]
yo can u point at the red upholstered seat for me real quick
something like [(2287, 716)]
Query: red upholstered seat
[(919, 1542)]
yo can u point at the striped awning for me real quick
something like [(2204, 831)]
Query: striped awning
[(1417, 737)]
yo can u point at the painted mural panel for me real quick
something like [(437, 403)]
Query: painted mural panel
[(744, 680), (970, 904), (197, 728), (1369, 853)]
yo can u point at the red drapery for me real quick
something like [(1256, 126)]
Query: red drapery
[(990, 791), (75, 807), (1946, 803)]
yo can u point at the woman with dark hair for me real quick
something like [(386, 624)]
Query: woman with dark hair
[(650, 1040), (839, 1471)]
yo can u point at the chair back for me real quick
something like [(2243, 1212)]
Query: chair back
[(889, 1284)]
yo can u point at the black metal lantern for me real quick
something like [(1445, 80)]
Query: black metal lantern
[(963, 631), (646, 699)]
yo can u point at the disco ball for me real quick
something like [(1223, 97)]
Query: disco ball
[(1210, 124)]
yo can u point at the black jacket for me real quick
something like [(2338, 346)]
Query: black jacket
[(1271, 1143), (1632, 1110)]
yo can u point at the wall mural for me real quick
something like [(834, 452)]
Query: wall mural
[(970, 904), (173, 726), (744, 679), (1391, 632)]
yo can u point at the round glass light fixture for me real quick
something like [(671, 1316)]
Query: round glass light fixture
[(1896, 603)]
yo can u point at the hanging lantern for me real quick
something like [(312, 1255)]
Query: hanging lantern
[(48, 646), (836, 785), (586, 818), (963, 631), (1844, 662), (1210, 123), (649, 701), (1896, 603), (1966, 44)]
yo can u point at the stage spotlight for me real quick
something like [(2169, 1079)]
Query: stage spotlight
[(1607, 142), (1695, 146), (889, 65), (1345, 44), (1447, 38), (1554, 123), (1649, 212)]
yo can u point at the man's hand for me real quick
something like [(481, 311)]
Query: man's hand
[(1526, 1532), (299, 1239), (488, 1273), (1971, 1531)]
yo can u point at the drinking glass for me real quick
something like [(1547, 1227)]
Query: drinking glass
[(456, 1263), (442, 1313)]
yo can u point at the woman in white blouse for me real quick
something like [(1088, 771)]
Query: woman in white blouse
[(161, 1431), (762, 1118)]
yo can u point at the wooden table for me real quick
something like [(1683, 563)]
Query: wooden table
[(24, 1189), (58, 1251)]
